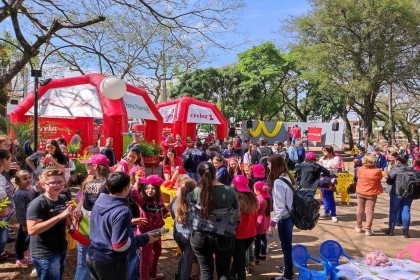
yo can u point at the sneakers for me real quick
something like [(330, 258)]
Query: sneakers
[(23, 262), (369, 233), (324, 215), (358, 230), (334, 219), (33, 274)]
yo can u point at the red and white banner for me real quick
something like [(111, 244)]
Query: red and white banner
[(200, 114), (168, 113), (314, 134)]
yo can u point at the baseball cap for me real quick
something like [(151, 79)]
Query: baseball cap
[(96, 159), (241, 183), (260, 187), (154, 180), (258, 170), (310, 156)]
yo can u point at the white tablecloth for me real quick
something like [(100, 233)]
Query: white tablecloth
[(400, 269)]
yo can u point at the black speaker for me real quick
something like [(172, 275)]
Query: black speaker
[(335, 126), (249, 124), (231, 132)]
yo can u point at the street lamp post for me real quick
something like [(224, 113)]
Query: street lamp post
[(37, 73)]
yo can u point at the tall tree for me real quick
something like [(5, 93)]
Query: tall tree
[(357, 46)]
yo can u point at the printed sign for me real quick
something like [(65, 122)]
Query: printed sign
[(137, 107), (200, 114), (168, 113), (70, 102), (314, 134)]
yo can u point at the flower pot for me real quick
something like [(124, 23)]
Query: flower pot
[(152, 161)]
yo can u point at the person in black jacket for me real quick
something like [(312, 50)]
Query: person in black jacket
[(396, 200), (310, 172)]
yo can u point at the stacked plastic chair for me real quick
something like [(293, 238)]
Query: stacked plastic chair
[(343, 182), (301, 256), (331, 251)]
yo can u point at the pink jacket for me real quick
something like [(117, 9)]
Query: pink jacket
[(263, 221)]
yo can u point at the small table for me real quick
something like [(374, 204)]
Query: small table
[(400, 269)]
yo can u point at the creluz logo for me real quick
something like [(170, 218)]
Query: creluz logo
[(202, 116)]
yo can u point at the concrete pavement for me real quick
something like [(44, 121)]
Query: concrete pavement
[(355, 244)]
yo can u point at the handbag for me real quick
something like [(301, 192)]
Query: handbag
[(77, 235), (327, 183)]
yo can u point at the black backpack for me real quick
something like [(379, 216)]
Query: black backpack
[(187, 160), (305, 212), (410, 180)]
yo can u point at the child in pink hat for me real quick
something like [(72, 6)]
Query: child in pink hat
[(263, 221), (247, 228)]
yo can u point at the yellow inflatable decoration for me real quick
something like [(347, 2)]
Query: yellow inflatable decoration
[(261, 128)]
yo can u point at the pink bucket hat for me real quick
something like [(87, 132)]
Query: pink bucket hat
[(241, 183), (96, 159), (310, 156), (154, 180), (258, 171), (135, 169), (259, 186)]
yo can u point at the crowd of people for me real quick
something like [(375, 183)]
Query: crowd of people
[(231, 194)]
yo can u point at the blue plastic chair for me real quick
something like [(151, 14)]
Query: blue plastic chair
[(331, 251), (300, 256)]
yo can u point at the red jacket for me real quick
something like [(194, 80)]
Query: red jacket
[(177, 163), (247, 227)]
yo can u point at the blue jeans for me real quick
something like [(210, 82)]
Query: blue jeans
[(4, 235), (395, 203), (82, 271), (134, 265), (194, 176), (329, 202), (285, 229), (50, 268), (187, 256)]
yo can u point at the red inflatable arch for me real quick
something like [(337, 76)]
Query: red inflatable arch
[(182, 115), (70, 104)]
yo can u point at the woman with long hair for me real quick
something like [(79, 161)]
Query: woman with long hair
[(53, 157), (248, 155), (368, 188), (131, 162), (234, 168), (247, 228), (97, 168), (6, 192), (172, 166), (214, 210), (182, 229), (330, 161), (281, 182)]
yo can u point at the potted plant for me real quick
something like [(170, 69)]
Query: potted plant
[(73, 150), (151, 153)]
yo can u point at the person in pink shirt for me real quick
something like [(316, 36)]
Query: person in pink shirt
[(247, 228), (263, 220)]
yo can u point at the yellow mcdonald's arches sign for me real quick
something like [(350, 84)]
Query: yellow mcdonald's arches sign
[(262, 128)]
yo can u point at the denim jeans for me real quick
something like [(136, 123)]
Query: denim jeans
[(329, 202), (285, 229), (187, 256), (206, 245), (194, 176), (108, 271), (82, 271), (396, 202), (239, 257), (50, 268), (4, 235), (134, 265), (22, 243), (260, 246)]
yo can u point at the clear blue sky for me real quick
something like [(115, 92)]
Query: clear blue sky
[(258, 23)]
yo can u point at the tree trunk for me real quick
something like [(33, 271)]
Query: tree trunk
[(349, 133), (164, 72), (391, 116)]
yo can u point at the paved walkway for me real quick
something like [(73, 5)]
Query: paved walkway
[(355, 244)]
